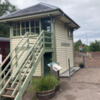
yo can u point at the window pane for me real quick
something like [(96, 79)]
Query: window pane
[(18, 32), (27, 30), (0, 49), (14, 32), (32, 23), (36, 23), (18, 25), (32, 31), (27, 24), (46, 24), (23, 24), (37, 30), (14, 27), (23, 31), (7, 50), (7, 45)]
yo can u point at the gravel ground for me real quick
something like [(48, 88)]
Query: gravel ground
[(78, 91), (87, 75), (84, 85)]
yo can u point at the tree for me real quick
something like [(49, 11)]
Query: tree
[(94, 46), (77, 44), (5, 8), (84, 49)]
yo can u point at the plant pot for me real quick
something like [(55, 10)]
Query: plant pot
[(45, 95), (81, 66), (57, 87)]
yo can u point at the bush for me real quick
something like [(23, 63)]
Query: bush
[(46, 83)]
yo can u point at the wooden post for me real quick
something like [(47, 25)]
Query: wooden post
[(20, 90), (69, 68), (16, 57), (84, 61)]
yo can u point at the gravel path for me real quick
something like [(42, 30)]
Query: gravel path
[(87, 75)]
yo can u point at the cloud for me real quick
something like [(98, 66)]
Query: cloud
[(84, 12)]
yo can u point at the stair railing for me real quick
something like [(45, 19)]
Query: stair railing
[(16, 50), (33, 53)]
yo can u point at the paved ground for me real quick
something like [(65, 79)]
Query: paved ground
[(84, 85), (78, 91)]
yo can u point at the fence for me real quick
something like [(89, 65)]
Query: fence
[(91, 59)]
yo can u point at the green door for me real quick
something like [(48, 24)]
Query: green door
[(47, 60)]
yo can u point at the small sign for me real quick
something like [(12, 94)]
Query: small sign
[(65, 44), (80, 47), (55, 67), (0, 59)]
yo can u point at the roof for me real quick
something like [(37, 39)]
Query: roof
[(38, 9), (3, 39), (41, 7)]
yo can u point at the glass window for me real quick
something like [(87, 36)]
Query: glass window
[(46, 24), (36, 23), (34, 27), (69, 33), (23, 24), (27, 24), (16, 29), (7, 48), (0, 49), (23, 31), (32, 23)]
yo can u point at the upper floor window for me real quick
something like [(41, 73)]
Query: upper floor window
[(70, 34), (20, 28), (46, 24)]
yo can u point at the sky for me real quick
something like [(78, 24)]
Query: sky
[(86, 13)]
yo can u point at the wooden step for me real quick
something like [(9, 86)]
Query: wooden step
[(12, 82), (11, 89), (26, 72), (8, 96)]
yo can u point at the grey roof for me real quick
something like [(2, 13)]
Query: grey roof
[(3, 39), (38, 8)]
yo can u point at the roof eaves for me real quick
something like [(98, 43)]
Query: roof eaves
[(30, 14), (69, 18)]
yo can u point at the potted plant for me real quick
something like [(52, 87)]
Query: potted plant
[(81, 65), (44, 87)]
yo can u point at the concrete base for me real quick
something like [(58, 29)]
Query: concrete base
[(72, 71)]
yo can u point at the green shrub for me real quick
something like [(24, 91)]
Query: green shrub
[(46, 83)]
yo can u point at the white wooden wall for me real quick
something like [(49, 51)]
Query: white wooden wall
[(14, 42), (63, 52)]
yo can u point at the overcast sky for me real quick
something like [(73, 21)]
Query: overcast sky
[(85, 13)]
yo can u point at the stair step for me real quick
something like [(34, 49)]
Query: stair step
[(26, 67), (10, 89), (8, 96), (12, 82), (26, 72)]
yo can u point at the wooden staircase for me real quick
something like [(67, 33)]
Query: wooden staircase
[(16, 84)]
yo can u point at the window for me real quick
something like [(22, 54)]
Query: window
[(24, 27), (0, 49), (34, 27), (16, 29), (70, 35), (46, 24), (7, 48)]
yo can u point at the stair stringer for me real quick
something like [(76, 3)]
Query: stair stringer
[(29, 77)]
